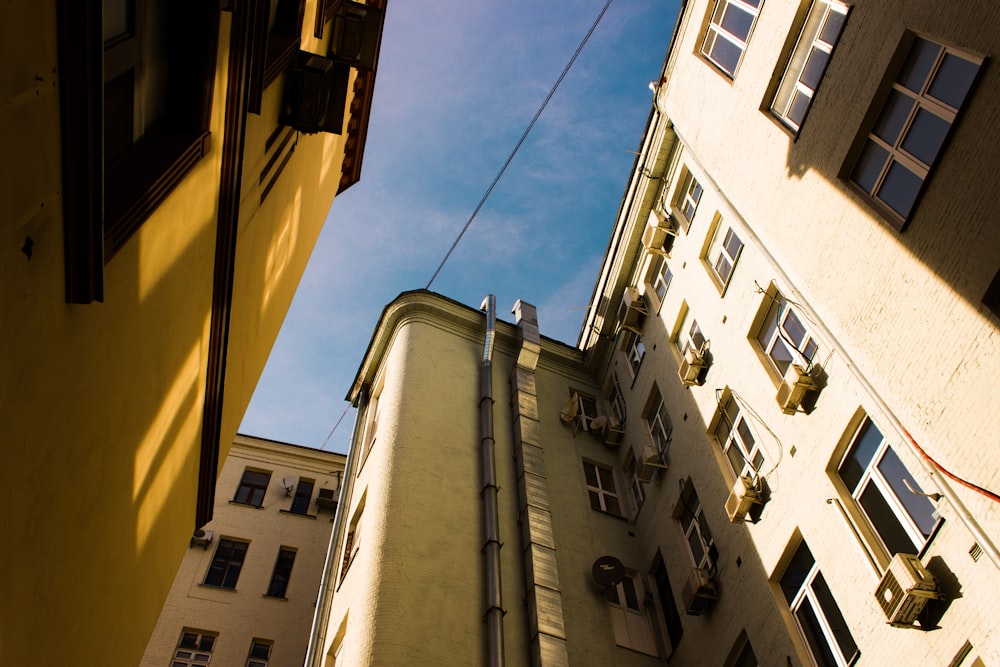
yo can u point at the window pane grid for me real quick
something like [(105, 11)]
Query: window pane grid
[(738, 442), (601, 489), (893, 166), (728, 33)]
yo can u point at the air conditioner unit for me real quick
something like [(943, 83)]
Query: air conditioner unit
[(327, 499), (691, 366), (315, 94), (658, 237), (904, 590), (742, 499), (632, 309), (613, 432), (793, 389), (649, 460), (699, 592), (202, 538)]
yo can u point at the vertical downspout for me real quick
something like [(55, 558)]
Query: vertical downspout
[(321, 617), (491, 519)]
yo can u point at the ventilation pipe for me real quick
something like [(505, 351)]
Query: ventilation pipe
[(491, 519)]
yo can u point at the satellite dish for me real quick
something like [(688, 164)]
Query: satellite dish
[(608, 571)]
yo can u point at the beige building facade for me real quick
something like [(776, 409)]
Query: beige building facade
[(774, 442), (246, 589)]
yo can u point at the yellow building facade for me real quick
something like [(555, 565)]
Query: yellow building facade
[(164, 183), (773, 444), (246, 588)]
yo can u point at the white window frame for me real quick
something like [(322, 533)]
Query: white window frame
[(619, 408), (806, 596), (873, 477), (603, 489), (695, 528), (812, 39), (658, 277), (658, 422), (777, 332), (732, 432), (635, 352), (635, 486), (725, 248), (197, 656), (257, 661), (630, 621), (689, 336), (895, 154), (689, 197), (717, 31)]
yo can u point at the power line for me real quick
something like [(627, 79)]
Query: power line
[(342, 414), (519, 142)]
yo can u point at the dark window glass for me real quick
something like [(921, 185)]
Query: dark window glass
[(726, 54), (282, 573), (796, 572), (252, 488), (303, 494), (737, 21), (893, 117), (918, 64), (870, 165), (899, 189), (226, 565), (831, 29), (815, 66), (925, 136), (953, 80), (834, 618), (668, 606), (813, 631)]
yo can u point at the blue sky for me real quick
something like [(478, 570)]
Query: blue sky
[(457, 84)]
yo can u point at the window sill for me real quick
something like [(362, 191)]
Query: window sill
[(217, 588), (304, 515), (256, 507), (274, 597)]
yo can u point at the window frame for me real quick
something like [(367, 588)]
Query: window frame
[(302, 497), (635, 352), (616, 399), (895, 152), (799, 58), (714, 27), (774, 314), (195, 655), (687, 198), (252, 487), (689, 335), (729, 416), (805, 597), (626, 602), (690, 514), (718, 250), (636, 488), (658, 423), (872, 476), (103, 210), (281, 574), (256, 660), (601, 488), (230, 556)]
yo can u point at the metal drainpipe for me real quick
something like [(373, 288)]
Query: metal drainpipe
[(491, 519), (321, 618), (964, 514)]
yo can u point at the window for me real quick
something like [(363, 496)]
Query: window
[(783, 336), (226, 565), (886, 492), (668, 606), (736, 439), (742, 654), (634, 485), (689, 335), (658, 277), (252, 487), (260, 653), (688, 197), (723, 254), (282, 573), (816, 612), (194, 649), (913, 120), (352, 543), (303, 494), (617, 401), (692, 519), (601, 488), (634, 350), (371, 426), (136, 119), (658, 421), (807, 64), (629, 620), (728, 33)]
